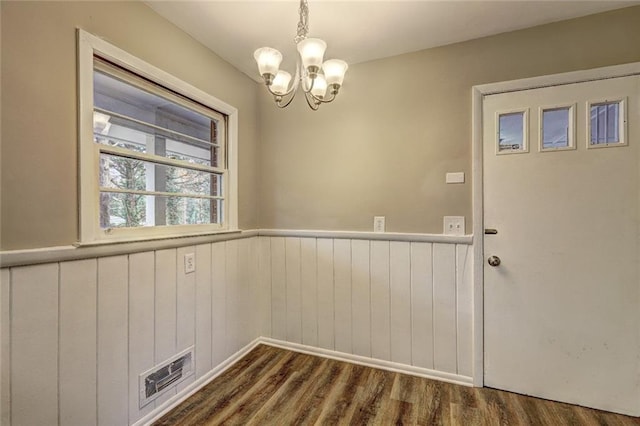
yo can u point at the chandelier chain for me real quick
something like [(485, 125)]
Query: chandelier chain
[(303, 23)]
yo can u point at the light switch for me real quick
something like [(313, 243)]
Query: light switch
[(378, 224), (454, 225), (457, 177)]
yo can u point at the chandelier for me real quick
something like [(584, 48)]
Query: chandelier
[(320, 81)]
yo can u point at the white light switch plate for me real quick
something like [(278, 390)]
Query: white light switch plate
[(378, 224), (457, 177), (454, 225), (189, 263)]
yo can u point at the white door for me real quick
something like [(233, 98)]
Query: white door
[(562, 190)]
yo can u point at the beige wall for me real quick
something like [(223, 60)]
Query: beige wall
[(39, 143), (401, 123), (382, 148)]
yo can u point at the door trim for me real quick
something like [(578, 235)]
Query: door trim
[(477, 94)]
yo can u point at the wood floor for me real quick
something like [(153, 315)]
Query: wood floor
[(271, 386)]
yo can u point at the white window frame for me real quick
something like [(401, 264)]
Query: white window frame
[(89, 151), (571, 143), (525, 131), (622, 122)]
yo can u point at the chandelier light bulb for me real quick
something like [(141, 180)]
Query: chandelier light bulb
[(268, 60), (319, 86), (312, 52), (334, 70), (280, 83)]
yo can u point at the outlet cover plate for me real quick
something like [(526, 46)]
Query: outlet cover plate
[(189, 263), (378, 223), (456, 177), (454, 225)]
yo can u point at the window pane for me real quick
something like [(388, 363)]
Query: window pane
[(141, 138), (124, 210), (126, 173), (511, 132), (605, 119), (132, 118), (555, 128)]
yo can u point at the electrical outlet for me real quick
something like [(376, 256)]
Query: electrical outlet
[(454, 225), (189, 263), (378, 224)]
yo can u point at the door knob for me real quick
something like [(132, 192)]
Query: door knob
[(494, 261)]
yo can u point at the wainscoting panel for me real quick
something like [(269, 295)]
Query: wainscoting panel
[(400, 302), (34, 344), (113, 321), (293, 297), (80, 332), (464, 309), (421, 305), (264, 283), (325, 293), (203, 325), (76, 334), (342, 295), (141, 326), (409, 303), (165, 311), (361, 297), (380, 296), (218, 302), (309, 284), (444, 308), (278, 289)]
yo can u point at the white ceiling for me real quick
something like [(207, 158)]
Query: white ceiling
[(359, 31)]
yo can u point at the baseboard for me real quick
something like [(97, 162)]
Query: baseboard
[(370, 362), (196, 386)]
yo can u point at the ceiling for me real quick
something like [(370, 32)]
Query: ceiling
[(360, 30)]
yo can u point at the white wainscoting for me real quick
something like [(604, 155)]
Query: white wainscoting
[(406, 303), (77, 333)]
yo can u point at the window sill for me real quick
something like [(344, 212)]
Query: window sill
[(94, 250), (152, 238)]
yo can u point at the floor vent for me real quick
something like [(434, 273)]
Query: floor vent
[(162, 377)]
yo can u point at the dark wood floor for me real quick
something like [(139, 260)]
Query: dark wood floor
[(271, 386)]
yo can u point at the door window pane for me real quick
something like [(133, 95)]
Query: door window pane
[(557, 128), (511, 132), (605, 123)]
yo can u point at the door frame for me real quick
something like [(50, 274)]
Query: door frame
[(477, 94)]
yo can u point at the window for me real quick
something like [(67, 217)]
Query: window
[(606, 124), (156, 159), (512, 130), (557, 128)]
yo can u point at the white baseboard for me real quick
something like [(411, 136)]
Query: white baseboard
[(370, 362), (196, 386), (309, 350)]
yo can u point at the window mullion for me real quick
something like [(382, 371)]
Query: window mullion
[(154, 126), (159, 193), (123, 152)]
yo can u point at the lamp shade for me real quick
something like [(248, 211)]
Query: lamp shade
[(280, 83), (312, 51), (268, 60), (319, 86), (334, 70)]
